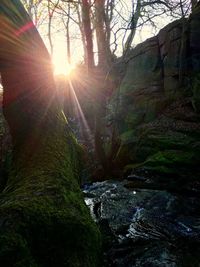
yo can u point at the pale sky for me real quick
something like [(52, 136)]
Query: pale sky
[(59, 41)]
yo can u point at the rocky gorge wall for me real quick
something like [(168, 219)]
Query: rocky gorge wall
[(157, 105)]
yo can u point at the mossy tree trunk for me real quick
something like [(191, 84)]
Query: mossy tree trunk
[(43, 219)]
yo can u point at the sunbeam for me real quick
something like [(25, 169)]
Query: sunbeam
[(80, 115)]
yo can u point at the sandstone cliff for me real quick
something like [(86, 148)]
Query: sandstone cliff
[(158, 102)]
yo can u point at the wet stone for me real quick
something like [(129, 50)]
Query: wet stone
[(143, 227)]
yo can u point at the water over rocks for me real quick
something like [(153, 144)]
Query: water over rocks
[(143, 227)]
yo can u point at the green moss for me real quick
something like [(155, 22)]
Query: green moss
[(15, 251), (48, 237), (128, 137), (175, 140), (170, 161), (160, 169), (45, 221), (171, 156), (53, 223)]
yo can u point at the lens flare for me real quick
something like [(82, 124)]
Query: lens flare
[(61, 67)]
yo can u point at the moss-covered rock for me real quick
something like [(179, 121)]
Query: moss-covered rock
[(171, 161), (158, 101)]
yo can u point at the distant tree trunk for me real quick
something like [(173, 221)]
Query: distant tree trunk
[(51, 10), (133, 25), (50, 16), (183, 46), (66, 24), (44, 221), (68, 44), (33, 9), (109, 12), (103, 53), (83, 38), (194, 3), (88, 33)]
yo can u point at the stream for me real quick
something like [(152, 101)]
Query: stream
[(143, 227)]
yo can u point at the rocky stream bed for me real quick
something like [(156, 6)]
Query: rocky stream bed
[(145, 227)]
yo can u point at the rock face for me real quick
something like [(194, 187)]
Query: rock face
[(159, 100), (145, 227)]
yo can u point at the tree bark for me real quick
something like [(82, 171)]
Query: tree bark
[(193, 4), (66, 24), (109, 12), (103, 53), (44, 221), (88, 33), (133, 26), (81, 28)]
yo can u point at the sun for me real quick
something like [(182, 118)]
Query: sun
[(61, 67)]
